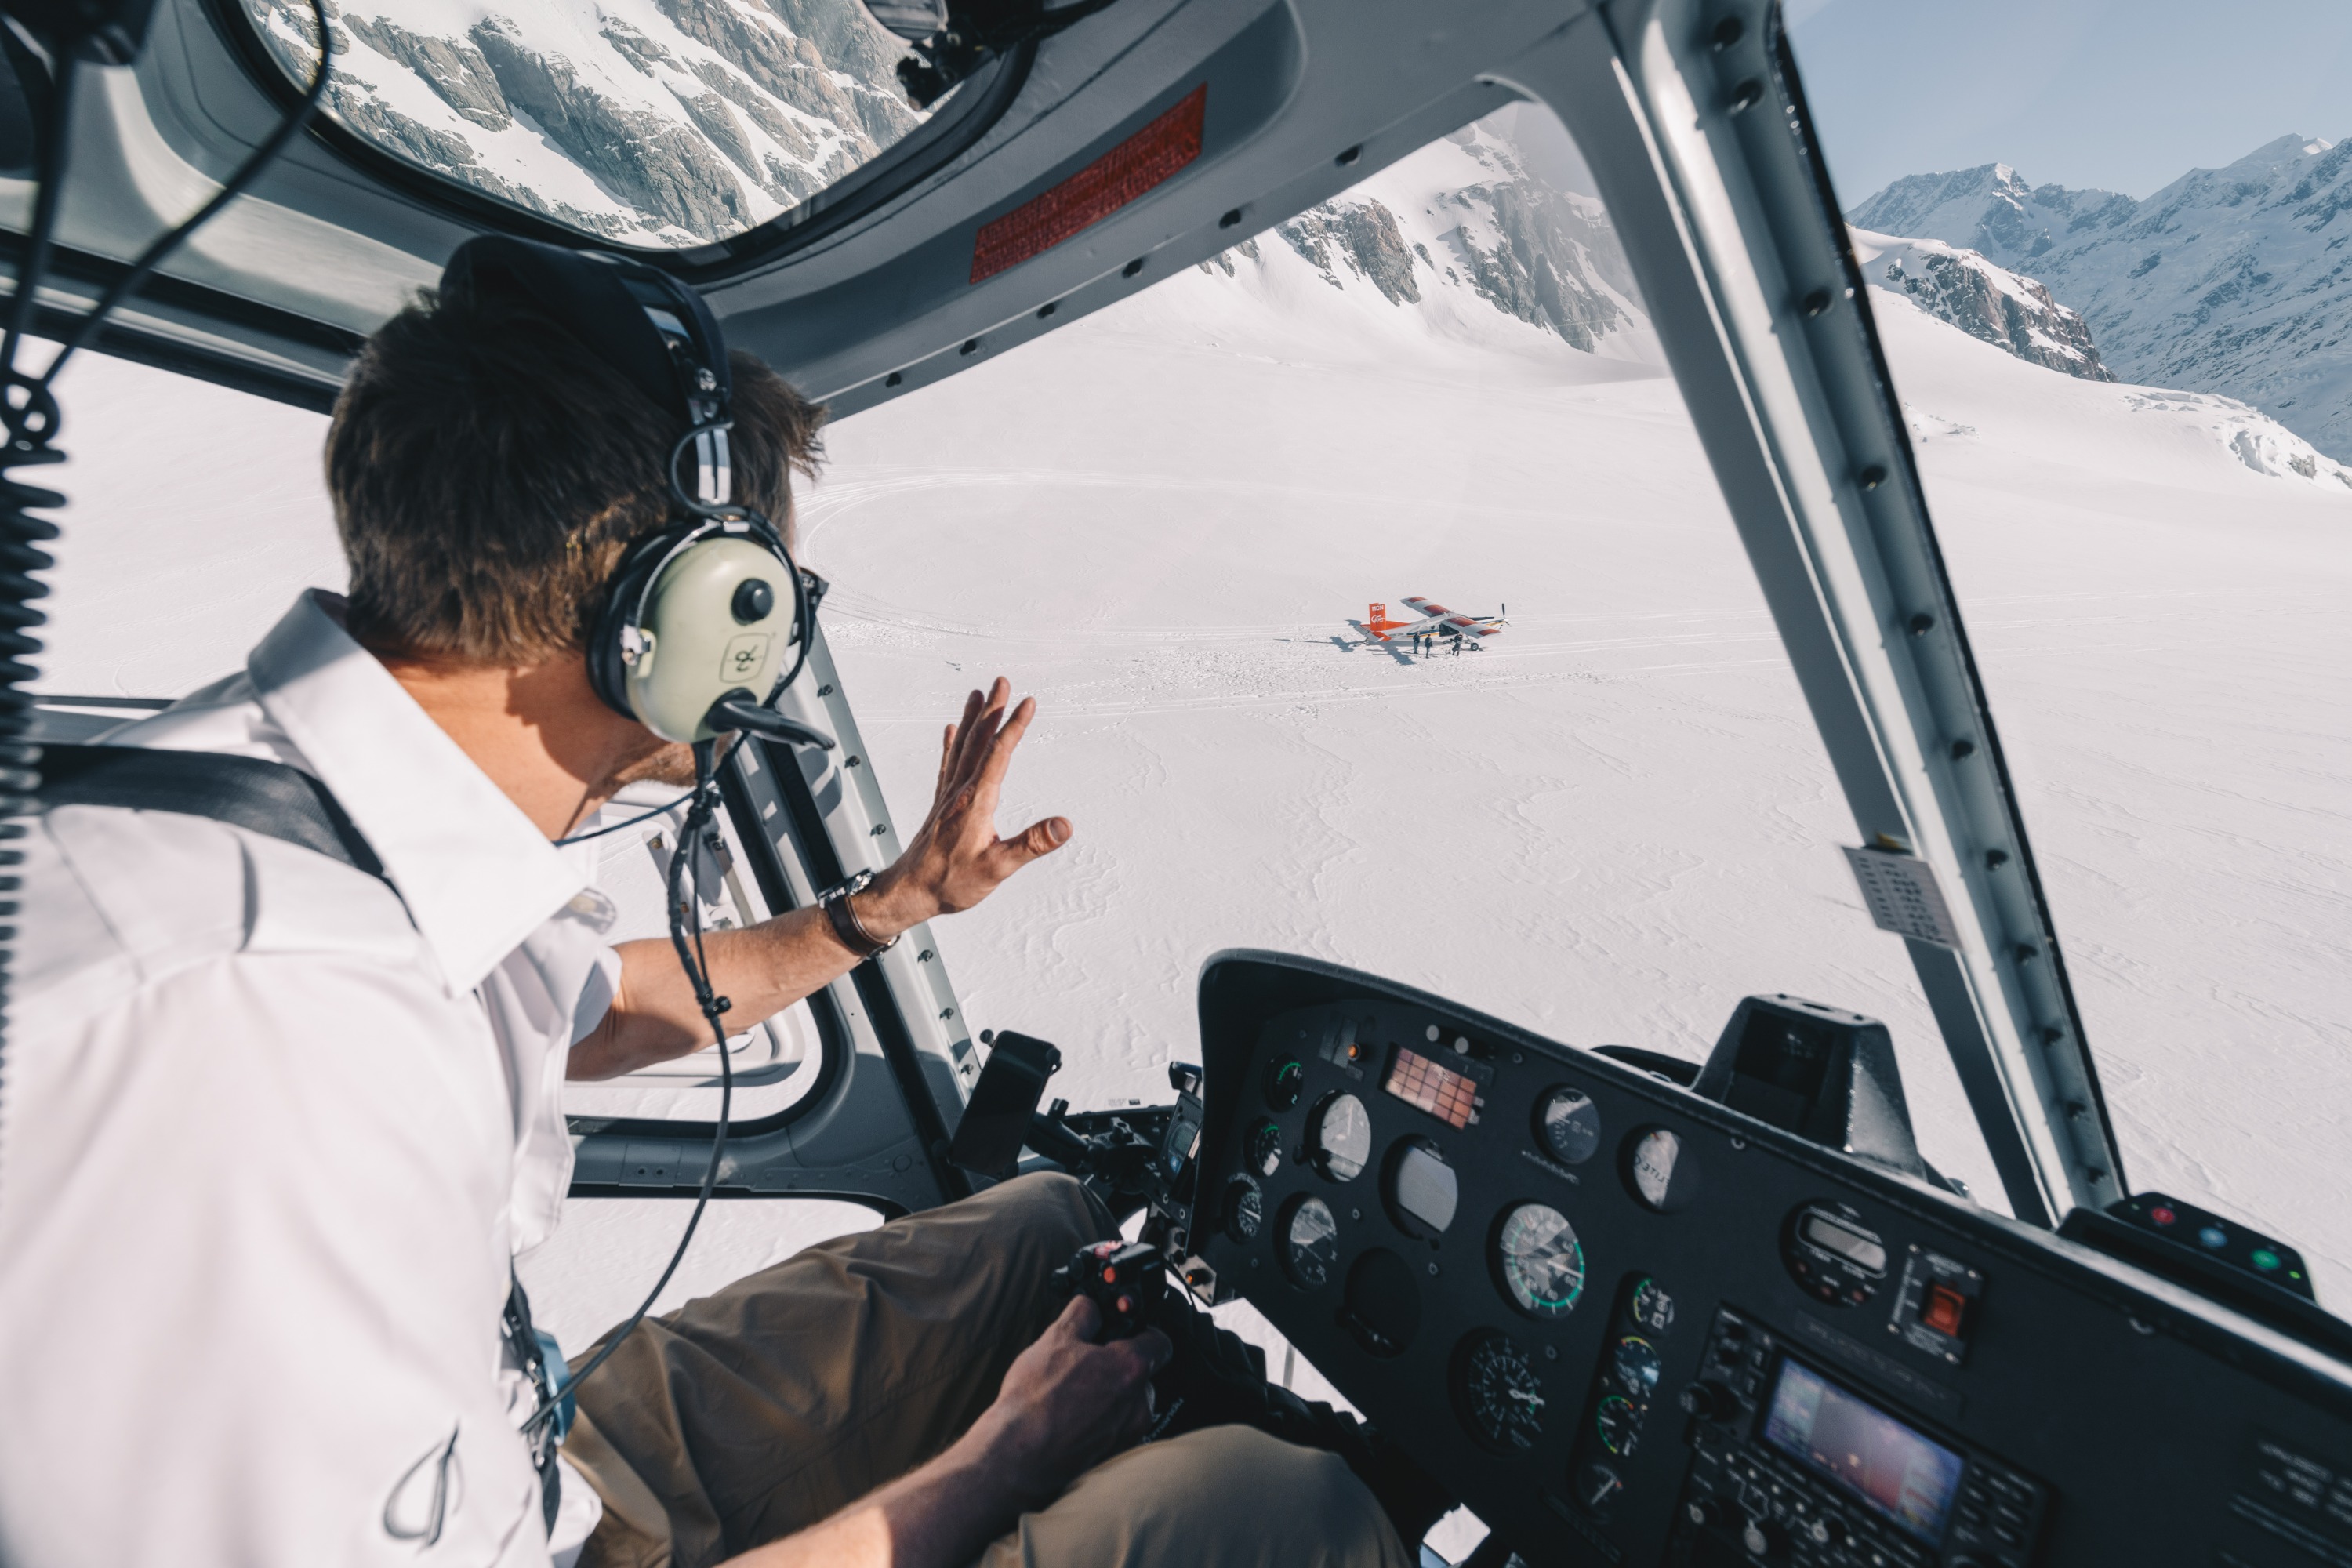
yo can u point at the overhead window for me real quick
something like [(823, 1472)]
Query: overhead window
[(653, 123)]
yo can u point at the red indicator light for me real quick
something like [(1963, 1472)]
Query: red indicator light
[(1944, 1309), (2162, 1216), (1128, 170)]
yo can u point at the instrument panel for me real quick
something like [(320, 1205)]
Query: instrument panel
[(1628, 1324)]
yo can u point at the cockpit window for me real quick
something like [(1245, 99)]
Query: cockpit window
[(2148, 542), (1381, 606), (653, 123)]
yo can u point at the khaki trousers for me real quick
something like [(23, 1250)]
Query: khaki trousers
[(794, 1392)]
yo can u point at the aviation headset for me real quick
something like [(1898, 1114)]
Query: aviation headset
[(706, 622)]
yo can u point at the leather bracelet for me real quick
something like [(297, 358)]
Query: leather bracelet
[(846, 923)]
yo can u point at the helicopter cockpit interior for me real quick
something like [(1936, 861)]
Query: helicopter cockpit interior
[(1723, 1303)]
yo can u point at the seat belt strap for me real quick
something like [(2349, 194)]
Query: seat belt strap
[(269, 798)]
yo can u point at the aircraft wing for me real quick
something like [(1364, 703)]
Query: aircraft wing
[(1446, 623)]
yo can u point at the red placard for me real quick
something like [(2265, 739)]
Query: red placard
[(1094, 193)]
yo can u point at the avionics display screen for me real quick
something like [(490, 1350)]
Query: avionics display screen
[(1907, 1476), (1446, 1094)]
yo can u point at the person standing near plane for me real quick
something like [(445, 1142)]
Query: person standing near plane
[(275, 1128)]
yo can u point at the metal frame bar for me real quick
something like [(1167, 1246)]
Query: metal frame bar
[(900, 1060), (1691, 121)]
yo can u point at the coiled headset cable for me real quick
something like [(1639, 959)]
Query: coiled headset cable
[(31, 416)]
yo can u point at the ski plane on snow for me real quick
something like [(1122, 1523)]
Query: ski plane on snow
[(1436, 621)]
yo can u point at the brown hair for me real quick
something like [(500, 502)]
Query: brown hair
[(488, 472)]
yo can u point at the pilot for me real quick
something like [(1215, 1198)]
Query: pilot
[(275, 1128)]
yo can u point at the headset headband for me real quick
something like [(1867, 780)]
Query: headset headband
[(649, 326)]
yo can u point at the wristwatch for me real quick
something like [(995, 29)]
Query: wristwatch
[(834, 903)]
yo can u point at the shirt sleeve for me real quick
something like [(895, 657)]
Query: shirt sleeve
[(250, 1270), (597, 994)]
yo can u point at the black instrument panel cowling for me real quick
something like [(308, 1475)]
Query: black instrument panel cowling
[(2163, 1429)]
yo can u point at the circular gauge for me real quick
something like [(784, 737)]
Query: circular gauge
[(1635, 1362), (1653, 1308), (1285, 1077), (1243, 1212), (1569, 1125), (1262, 1148), (1421, 1189), (1340, 1140), (1540, 1260), (1619, 1421), (1663, 1174), (1495, 1391), (1310, 1243), (1597, 1488)]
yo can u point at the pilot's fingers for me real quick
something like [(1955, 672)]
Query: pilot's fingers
[(960, 746), (999, 755), (1039, 838), (1081, 1319), (1157, 1348), (947, 760)]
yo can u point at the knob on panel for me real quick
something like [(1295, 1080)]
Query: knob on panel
[(1709, 1401)]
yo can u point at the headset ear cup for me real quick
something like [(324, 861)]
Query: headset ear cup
[(608, 673)]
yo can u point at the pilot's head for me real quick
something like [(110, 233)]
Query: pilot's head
[(489, 470)]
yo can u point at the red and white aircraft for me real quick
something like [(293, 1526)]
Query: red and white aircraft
[(1436, 621)]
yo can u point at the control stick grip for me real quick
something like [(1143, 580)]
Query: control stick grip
[(1127, 1282)]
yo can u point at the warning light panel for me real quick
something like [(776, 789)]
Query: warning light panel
[(1450, 1096)]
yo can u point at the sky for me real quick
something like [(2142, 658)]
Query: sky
[(2121, 95)]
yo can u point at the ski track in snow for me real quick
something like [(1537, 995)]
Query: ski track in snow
[(1611, 824)]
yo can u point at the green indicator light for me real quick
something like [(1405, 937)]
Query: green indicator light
[(2264, 1259)]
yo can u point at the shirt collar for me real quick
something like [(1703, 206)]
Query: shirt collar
[(477, 876)]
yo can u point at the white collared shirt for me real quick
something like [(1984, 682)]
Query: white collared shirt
[(269, 1138)]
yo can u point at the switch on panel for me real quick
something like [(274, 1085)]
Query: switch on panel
[(1936, 1308)]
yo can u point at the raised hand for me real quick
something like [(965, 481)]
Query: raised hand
[(956, 859)]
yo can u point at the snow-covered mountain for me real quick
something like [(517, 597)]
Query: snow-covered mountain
[(670, 122), (2234, 281), (2002, 308), (1463, 240)]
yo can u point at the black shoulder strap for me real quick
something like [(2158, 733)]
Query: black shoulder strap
[(269, 798)]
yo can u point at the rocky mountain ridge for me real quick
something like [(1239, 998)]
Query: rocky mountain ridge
[(1463, 231), (1988, 302), (2236, 280), (666, 122)]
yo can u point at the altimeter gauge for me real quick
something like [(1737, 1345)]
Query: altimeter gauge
[(1495, 1391), (1540, 1261)]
